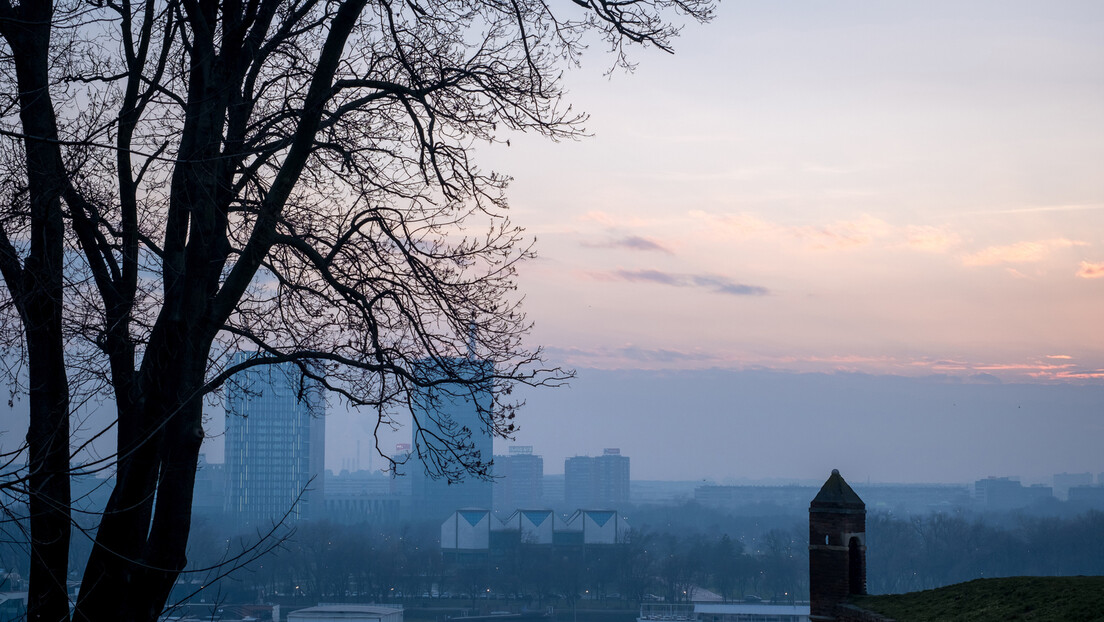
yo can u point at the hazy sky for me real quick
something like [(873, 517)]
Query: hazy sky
[(726, 425), (892, 187), (819, 236), (858, 191)]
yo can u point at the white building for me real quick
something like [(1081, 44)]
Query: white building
[(597, 526), (473, 529), (347, 613), (726, 612), (468, 530), (751, 612)]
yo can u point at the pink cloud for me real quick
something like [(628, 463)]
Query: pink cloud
[(739, 225), (847, 233), (1035, 367), (1020, 252), (599, 217), (1090, 270), (863, 231), (631, 242), (632, 356), (1083, 375), (614, 221), (930, 239)]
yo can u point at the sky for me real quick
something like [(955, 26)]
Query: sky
[(855, 235), (766, 426), (864, 235), (888, 187)]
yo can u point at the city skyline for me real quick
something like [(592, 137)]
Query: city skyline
[(869, 193), (763, 425)]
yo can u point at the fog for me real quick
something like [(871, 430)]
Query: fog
[(764, 425)]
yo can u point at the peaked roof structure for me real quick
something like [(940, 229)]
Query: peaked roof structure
[(835, 493)]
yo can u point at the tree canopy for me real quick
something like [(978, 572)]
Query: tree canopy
[(185, 179)]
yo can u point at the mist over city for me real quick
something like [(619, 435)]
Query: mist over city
[(722, 425), (469, 311)]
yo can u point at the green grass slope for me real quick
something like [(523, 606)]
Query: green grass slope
[(1036, 599)]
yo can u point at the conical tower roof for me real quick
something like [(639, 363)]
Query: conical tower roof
[(836, 494)]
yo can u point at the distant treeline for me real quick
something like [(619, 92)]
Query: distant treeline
[(923, 552), (669, 554), (323, 561)]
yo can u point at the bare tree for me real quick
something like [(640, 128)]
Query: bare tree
[(183, 179)]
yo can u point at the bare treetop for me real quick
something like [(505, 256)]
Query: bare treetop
[(186, 179)]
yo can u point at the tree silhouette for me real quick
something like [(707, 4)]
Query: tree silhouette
[(183, 179), (725, 561)]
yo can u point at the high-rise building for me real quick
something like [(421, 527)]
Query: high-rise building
[(1064, 481), (275, 445), (400, 483), (450, 413), (597, 482), (209, 491), (519, 480)]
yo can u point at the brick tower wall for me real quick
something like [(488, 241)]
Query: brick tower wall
[(830, 577)]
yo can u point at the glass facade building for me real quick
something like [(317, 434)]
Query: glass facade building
[(274, 445), (451, 413)]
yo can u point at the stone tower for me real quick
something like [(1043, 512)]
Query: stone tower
[(837, 547)]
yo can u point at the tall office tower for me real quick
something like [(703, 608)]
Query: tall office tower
[(598, 482), (519, 480), (209, 491), (578, 482), (450, 413), (400, 484), (275, 445)]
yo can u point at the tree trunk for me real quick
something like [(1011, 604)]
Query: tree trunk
[(129, 576), (39, 298)]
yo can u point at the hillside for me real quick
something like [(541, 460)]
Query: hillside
[(1038, 599)]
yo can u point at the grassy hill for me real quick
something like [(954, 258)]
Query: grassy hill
[(1037, 599)]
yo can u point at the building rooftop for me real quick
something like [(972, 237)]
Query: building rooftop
[(835, 493), (342, 611)]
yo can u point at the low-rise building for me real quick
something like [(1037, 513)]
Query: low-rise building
[(347, 613), (1005, 493), (471, 530), (724, 612)]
